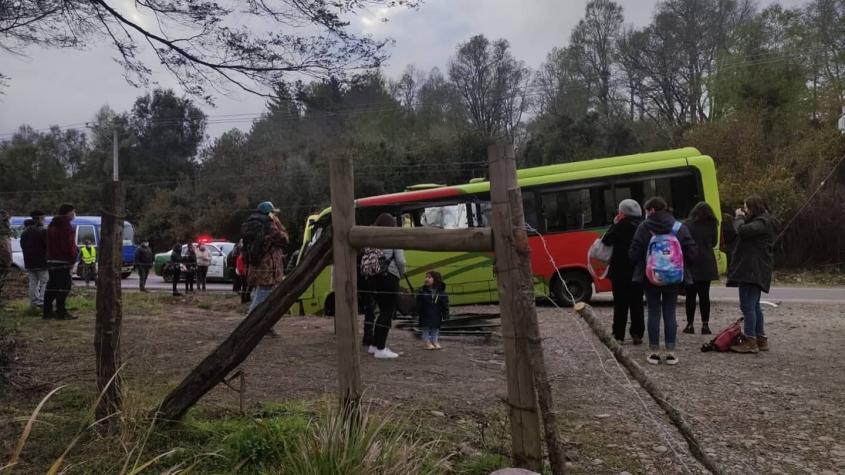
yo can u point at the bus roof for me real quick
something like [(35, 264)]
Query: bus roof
[(536, 172), (95, 220)]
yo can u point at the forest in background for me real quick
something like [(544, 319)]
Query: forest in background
[(760, 90)]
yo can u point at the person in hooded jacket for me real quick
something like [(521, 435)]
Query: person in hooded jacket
[(627, 294), (384, 290), (704, 227), (175, 267), (189, 267), (432, 308), (203, 263), (62, 253), (751, 270), (661, 300), (34, 247)]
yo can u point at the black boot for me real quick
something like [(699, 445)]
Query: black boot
[(689, 329), (705, 329)]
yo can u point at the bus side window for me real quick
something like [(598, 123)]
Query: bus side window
[(572, 210), (529, 207), (445, 217)]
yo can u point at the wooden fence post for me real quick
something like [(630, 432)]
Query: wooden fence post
[(516, 303), (109, 305), (345, 280)]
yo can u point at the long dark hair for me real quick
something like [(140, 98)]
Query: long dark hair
[(385, 220), (756, 205), (702, 213)]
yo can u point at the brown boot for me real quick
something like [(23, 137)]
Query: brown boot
[(763, 343), (748, 345)]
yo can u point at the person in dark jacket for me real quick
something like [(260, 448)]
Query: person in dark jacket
[(703, 226), (144, 260), (189, 267), (661, 300), (627, 294), (62, 253), (34, 247), (176, 267), (751, 270), (5, 249), (432, 308), (384, 290)]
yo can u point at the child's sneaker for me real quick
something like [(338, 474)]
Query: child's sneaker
[(653, 358), (429, 346), (385, 354), (437, 346), (671, 359)]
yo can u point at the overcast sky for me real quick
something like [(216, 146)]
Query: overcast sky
[(68, 86)]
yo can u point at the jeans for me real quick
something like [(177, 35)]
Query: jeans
[(58, 287), (430, 334), (37, 286), (700, 289), (661, 301), (259, 295), (202, 276), (143, 273), (749, 303), (627, 297)]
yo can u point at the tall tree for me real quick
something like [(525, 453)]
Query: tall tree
[(492, 83), (594, 43)]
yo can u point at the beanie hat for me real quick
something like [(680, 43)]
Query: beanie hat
[(630, 208), (266, 207)]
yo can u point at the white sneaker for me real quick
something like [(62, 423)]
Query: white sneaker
[(385, 354), (372, 350), (671, 359)]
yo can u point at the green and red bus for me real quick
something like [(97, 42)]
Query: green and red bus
[(567, 205)]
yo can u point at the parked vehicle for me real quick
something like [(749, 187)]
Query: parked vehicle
[(87, 228), (566, 205)]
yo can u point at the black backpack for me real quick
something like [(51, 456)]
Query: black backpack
[(253, 232)]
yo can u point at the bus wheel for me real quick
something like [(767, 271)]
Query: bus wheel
[(328, 307), (580, 285)]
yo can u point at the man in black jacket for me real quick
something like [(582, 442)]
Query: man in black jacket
[(143, 262), (34, 247)]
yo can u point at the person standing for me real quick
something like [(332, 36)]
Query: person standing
[(176, 267), (189, 267), (432, 308), (88, 256), (62, 253), (241, 272), (144, 260), (384, 288), (751, 270), (627, 294), (661, 299), (34, 247), (5, 250), (264, 239), (203, 263), (704, 227)]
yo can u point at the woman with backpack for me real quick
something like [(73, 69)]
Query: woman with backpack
[(704, 227), (751, 270), (627, 294), (661, 252), (382, 269)]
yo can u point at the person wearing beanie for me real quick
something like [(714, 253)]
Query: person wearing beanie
[(61, 255), (627, 295), (264, 239)]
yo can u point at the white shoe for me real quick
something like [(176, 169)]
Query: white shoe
[(671, 359), (372, 350), (385, 354)]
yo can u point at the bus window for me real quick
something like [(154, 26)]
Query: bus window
[(529, 208), (568, 210), (445, 217), (128, 234)]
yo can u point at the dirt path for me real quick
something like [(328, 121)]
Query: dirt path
[(778, 412)]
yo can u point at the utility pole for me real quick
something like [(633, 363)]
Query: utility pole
[(109, 298)]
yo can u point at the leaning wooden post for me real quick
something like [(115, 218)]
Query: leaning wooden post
[(516, 303), (345, 281), (109, 305)]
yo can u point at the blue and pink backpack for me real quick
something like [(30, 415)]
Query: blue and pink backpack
[(664, 262)]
